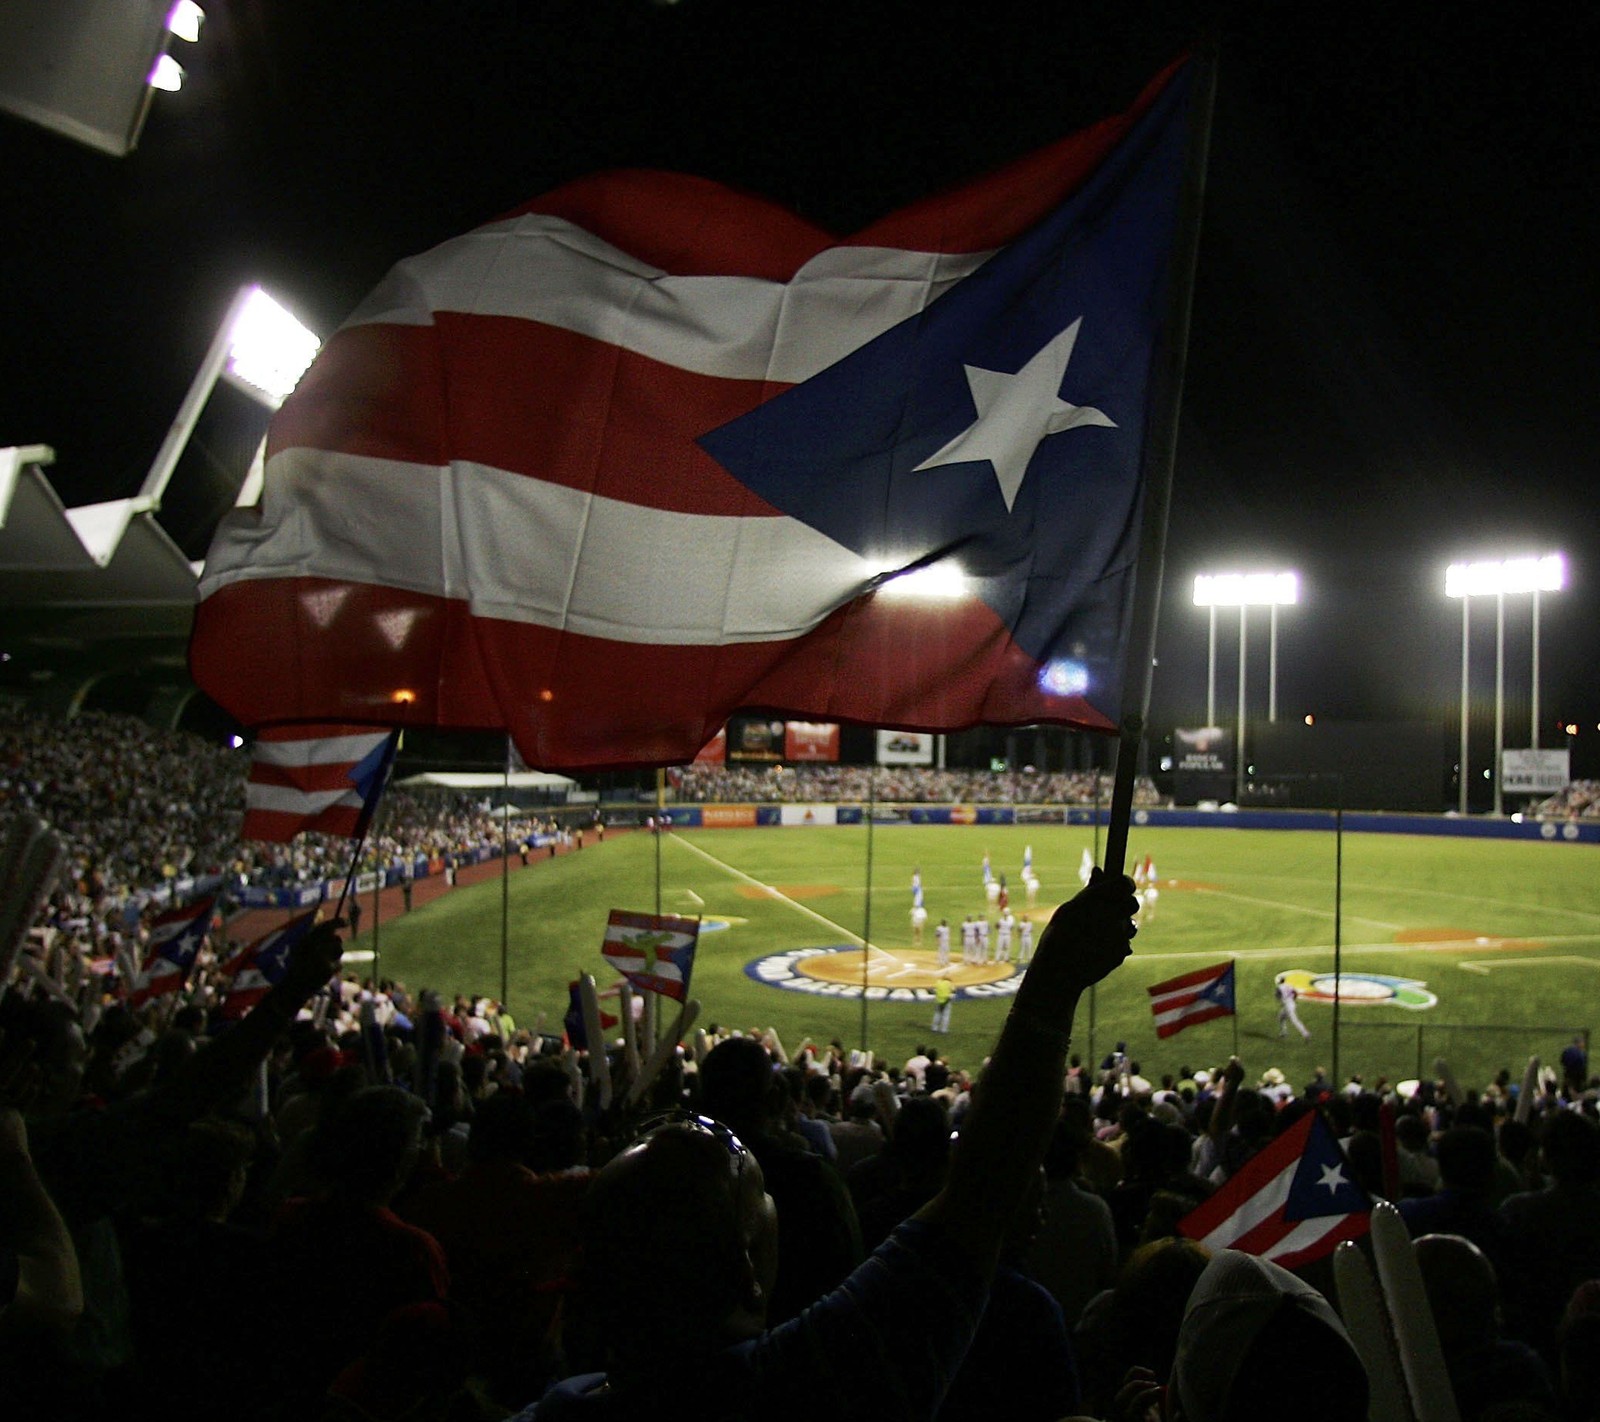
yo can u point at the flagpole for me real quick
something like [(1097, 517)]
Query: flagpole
[(377, 915), (1160, 452), (505, 880), (1338, 918), (661, 795), (866, 926), (1233, 970), (366, 822)]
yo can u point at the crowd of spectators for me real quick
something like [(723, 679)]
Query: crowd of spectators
[(140, 808), (900, 784), (1578, 801), (363, 1202)]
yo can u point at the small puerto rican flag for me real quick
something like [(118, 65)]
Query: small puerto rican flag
[(174, 944), (257, 969), (654, 952), (1196, 997)]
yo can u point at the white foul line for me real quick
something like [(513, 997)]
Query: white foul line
[(775, 893)]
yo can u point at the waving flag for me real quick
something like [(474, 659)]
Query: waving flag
[(1196, 997), (654, 952), (650, 433), (316, 777), (174, 944), (258, 968), (1292, 1202), (577, 1030)]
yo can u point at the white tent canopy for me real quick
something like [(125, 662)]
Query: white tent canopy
[(487, 780)]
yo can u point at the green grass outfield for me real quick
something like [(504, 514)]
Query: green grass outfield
[(1506, 935)]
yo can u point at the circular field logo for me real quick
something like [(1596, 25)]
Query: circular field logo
[(1360, 989), (879, 974)]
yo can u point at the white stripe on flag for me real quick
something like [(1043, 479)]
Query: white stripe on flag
[(326, 750), (543, 268), (287, 800), (541, 553), (1181, 995), (1261, 1206), (1177, 1014), (1304, 1235)]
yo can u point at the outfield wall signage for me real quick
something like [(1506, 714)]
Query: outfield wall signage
[(808, 814), (1202, 750), (1535, 772), (961, 815), (905, 748), (811, 741)]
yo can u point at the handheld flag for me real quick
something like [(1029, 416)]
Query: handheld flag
[(175, 939), (258, 968), (654, 952), (916, 893), (1027, 860), (577, 1032), (1200, 996), (316, 777), (898, 475), (1292, 1202)]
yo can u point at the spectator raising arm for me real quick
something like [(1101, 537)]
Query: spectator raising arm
[(39, 1284), (1015, 1106)]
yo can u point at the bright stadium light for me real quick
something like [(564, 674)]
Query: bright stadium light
[(184, 20), (937, 582), (1497, 577), (166, 74), (1244, 591), (268, 350)]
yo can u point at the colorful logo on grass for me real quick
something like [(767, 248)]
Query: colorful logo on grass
[(903, 975), (1360, 989)]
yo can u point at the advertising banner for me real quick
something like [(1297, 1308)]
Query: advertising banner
[(811, 740), (808, 814), (1535, 772), (905, 748), (728, 816), (1204, 750), (751, 738)]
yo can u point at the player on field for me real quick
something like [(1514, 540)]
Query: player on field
[(941, 943)]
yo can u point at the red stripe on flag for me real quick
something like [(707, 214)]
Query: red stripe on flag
[(527, 398), (309, 778), (691, 227), (1255, 1173), (1199, 976), (881, 661), (280, 826)]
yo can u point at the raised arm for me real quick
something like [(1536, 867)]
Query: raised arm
[(1015, 1105)]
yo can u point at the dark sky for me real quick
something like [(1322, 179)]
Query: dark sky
[(1397, 314)]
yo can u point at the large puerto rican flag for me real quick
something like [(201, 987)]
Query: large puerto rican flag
[(1291, 1202), (648, 450), (654, 952), (1193, 998)]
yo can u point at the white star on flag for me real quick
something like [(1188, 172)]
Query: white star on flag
[(1016, 412), (1333, 1178)]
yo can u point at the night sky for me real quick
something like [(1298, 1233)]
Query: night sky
[(1396, 336)]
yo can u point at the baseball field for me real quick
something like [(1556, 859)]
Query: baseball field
[(1480, 951)]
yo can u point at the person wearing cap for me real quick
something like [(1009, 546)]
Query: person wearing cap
[(885, 1345), (1288, 1010), (1258, 1342)]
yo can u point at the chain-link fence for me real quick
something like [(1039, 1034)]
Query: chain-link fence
[(1475, 1051)]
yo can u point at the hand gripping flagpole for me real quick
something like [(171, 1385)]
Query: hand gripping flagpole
[(1159, 452), (368, 811)]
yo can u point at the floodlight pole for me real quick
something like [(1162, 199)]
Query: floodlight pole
[(1272, 663), (1534, 700), (1238, 769), (1211, 670), (1466, 612), (1499, 695)]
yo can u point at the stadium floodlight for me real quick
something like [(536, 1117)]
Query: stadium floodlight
[(1498, 577), (1244, 591), (166, 74), (260, 349), (184, 20)]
